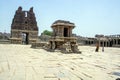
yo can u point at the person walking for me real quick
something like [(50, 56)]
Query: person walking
[(97, 47)]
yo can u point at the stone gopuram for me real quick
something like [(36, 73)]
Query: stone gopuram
[(24, 28)]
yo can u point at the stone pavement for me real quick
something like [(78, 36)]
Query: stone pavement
[(20, 62)]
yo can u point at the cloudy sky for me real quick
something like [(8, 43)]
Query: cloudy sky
[(90, 16)]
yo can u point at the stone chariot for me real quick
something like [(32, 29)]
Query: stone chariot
[(62, 38)]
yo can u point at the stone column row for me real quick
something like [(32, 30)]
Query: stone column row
[(104, 43)]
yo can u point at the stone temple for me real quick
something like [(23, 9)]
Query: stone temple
[(62, 38), (24, 28)]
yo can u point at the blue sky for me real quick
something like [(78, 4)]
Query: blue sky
[(90, 16)]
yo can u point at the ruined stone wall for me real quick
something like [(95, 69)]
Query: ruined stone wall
[(106, 41)]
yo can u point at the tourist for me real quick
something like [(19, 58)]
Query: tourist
[(103, 49), (97, 47)]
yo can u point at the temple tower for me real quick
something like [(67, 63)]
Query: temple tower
[(24, 28)]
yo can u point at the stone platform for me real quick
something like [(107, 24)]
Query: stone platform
[(20, 62)]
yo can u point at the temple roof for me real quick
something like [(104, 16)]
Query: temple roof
[(63, 23)]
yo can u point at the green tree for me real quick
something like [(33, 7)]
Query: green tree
[(46, 32)]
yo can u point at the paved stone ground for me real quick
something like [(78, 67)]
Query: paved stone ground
[(20, 62)]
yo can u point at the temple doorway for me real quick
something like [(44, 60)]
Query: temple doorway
[(65, 32), (25, 38)]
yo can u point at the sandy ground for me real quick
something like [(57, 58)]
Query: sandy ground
[(20, 62)]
